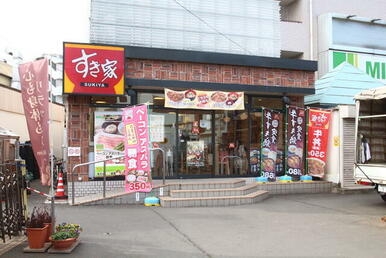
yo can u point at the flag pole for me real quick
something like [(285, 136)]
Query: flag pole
[(50, 106)]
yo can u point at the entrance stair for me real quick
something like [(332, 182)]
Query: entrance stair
[(206, 193)]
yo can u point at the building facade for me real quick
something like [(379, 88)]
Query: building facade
[(220, 46), (300, 31), (148, 71)]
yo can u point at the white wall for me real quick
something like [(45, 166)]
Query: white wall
[(333, 151), (196, 25)]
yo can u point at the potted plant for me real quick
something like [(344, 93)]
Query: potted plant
[(65, 235), (35, 229), (47, 220)]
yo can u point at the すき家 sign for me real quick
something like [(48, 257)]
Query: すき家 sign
[(93, 69)]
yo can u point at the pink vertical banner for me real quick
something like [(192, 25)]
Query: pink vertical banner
[(34, 92), (137, 153)]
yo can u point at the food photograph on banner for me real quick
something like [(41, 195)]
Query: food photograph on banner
[(318, 133)]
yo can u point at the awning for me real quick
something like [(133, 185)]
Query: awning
[(4, 133), (376, 93)]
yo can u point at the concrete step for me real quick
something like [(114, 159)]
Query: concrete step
[(119, 196), (243, 190), (254, 197)]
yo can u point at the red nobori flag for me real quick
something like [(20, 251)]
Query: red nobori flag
[(318, 126), (34, 90)]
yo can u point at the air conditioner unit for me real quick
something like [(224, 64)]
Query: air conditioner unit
[(123, 100)]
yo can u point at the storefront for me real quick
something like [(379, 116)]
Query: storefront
[(197, 142)]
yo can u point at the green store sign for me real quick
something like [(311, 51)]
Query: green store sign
[(373, 65)]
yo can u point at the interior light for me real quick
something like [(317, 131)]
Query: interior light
[(159, 98), (101, 101)]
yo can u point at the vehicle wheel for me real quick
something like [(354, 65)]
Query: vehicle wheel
[(383, 197)]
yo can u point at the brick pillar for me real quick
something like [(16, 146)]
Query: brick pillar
[(78, 133)]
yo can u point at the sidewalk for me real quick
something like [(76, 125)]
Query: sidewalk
[(316, 225), (11, 243)]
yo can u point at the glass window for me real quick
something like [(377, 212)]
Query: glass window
[(267, 102)]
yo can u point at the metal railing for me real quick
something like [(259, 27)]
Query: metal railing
[(223, 159), (104, 172), (87, 164)]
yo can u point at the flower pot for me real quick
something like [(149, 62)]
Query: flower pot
[(36, 237), (63, 244), (49, 229)]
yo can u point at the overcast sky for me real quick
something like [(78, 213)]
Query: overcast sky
[(36, 27)]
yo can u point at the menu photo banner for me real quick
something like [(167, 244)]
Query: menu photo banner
[(296, 123), (93, 69), (137, 152), (318, 130), (213, 100), (270, 136)]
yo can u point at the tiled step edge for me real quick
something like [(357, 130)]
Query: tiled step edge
[(296, 187), (117, 197), (169, 202), (207, 185), (244, 190)]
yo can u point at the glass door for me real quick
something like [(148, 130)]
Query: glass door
[(195, 143), (232, 143), (163, 136)]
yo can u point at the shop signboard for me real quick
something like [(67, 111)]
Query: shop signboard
[(318, 126), (157, 130), (195, 153), (34, 92), (373, 65), (93, 69), (109, 142), (296, 122), (137, 152), (213, 100), (270, 136)]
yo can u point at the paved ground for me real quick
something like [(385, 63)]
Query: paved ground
[(319, 225)]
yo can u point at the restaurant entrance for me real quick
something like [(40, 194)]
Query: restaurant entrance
[(211, 143)]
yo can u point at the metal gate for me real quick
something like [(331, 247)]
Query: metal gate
[(348, 152), (12, 207)]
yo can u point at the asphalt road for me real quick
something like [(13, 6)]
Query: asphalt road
[(317, 225)]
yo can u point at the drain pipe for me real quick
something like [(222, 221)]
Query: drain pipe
[(311, 31)]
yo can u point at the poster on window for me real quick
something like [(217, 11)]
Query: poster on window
[(137, 152), (213, 100), (296, 122), (318, 126), (270, 136), (195, 153), (109, 142), (157, 130), (254, 161)]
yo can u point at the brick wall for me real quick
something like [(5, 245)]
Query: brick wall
[(78, 131), (170, 70)]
